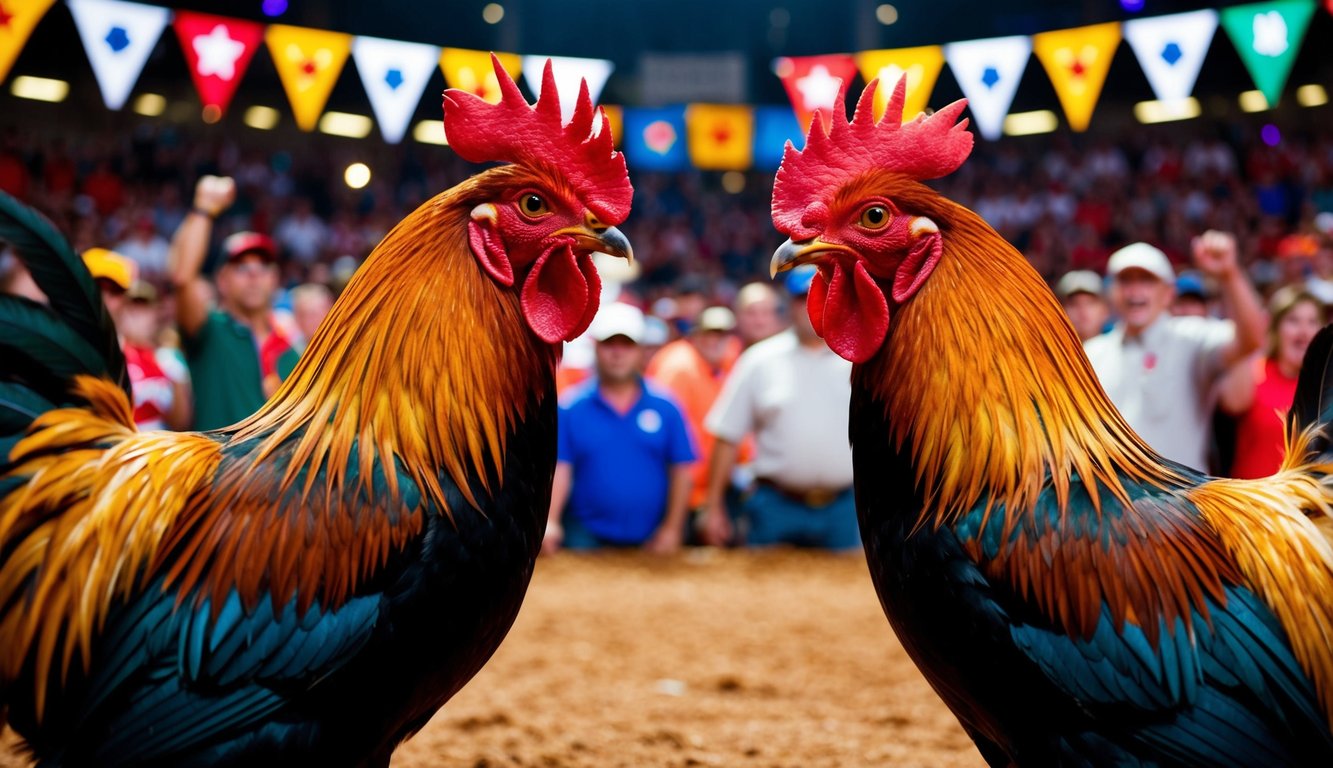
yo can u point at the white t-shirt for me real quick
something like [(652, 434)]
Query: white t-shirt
[(1162, 381), (794, 400)]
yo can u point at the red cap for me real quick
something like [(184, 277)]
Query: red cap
[(245, 243)]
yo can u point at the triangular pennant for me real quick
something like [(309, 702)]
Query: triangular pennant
[(921, 65), (812, 82), (1268, 36), (1171, 50), (655, 139), (395, 75), (17, 20), (773, 128), (569, 72), (1077, 61), (989, 71), (219, 51), (471, 71), (721, 136), (309, 62), (118, 37)]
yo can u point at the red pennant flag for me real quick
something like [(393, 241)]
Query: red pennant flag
[(218, 50), (812, 82)]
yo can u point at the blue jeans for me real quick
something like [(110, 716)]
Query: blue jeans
[(578, 537), (774, 518)]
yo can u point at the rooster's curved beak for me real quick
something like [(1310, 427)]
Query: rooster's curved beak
[(790, 255), (598, 238)]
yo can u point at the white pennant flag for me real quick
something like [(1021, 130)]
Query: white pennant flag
[(568, 72), (1171, 50), (988, 71), (118, 38), (395, 75)]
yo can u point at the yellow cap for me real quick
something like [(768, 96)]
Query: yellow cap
[(110, 265)]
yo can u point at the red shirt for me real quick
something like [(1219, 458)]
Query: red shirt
[(1260, 440)]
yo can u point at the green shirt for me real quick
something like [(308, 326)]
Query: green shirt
[(224, 369)]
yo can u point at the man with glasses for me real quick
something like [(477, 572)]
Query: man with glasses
[(232, 346)]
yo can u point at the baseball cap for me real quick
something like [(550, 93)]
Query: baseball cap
[(1190, 284), (618, 319), (798, 279), (716, 319), (1079, 281), (1141, 256), (140, 290), (109, 265), (245, 243)]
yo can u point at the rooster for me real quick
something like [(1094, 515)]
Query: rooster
[(1074, 598), (309, 585)]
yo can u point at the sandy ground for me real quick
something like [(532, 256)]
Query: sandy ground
[(770, 660)]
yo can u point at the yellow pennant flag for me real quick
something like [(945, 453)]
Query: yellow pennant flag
[(471, 71), (721, 136), (1077, 61), (921, 66), (309, 62), (17, 20)]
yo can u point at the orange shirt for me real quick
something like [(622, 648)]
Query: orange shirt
[(681, 370)]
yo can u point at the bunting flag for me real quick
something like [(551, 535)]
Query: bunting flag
[(655, 139), (1171, 50), (17, 20), (812, 82), (615, 117), (118, 37), (1077, 61), (921, 65), (1268, 35), (721, 136), (395, 75), (471, 71), (218, 51), (989, 71), (773, 128), (309, 62), (568, 73)]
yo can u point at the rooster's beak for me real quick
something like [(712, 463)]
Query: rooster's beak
[(596, 237), (789, 254)]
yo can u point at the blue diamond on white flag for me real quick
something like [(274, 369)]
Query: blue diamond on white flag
[(988, 71), (118, 37), (394, 74), (1171, 50), (568, 71)]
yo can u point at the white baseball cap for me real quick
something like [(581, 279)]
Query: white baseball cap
[(1142, 256), (618, 319)]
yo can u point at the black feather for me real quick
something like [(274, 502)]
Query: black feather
[(1313, 402), (62, 276)]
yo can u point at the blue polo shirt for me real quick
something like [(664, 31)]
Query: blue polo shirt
[(620, 461)]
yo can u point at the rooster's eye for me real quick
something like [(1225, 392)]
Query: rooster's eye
[(874, 217), (533, 205)]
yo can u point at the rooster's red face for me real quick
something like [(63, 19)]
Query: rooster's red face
[(872, 257), (545, 240)]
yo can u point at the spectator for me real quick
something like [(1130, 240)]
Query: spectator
[(622, 476), (792, 393), (1080, 293), (311, 303), (145, 247), (158, 380), (1191, 296), (233, 347), (1160, 371), (692, 370), (758, 313), (1262, 401)]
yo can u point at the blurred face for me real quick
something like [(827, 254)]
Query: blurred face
[(137, 322), (800, 320), (1295, 331), (1088, 313), (712, 346), (1140, 298), (309, 312), (1189, 306), (113, 296), (248, 283), (619, 360), (758, 318)]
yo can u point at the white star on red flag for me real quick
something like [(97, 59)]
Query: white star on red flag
[(819, 88), (218, 53)]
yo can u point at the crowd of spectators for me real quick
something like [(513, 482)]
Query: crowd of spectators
[(1066, 202)]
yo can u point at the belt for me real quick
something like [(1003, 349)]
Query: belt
[(810, 497)]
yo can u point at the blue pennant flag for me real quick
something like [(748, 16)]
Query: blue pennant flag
[(773, 128), (655, 139)]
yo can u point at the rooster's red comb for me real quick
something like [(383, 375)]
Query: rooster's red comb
[(926, 148), (516, 132)]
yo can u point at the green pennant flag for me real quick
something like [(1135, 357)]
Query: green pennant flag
[(1268, 36)]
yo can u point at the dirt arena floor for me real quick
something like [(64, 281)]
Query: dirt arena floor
[(770, 660)]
